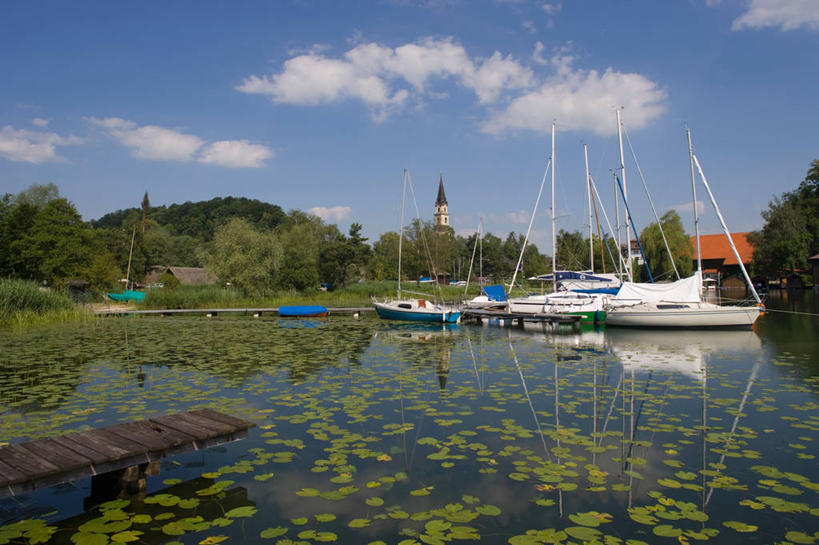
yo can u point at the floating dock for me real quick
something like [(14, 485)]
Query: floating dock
[(518, 319), (93, 453), (216, 311)]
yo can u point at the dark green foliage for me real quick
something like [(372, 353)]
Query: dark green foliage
[(572, 251), (200, 220), (679, 242), (168, 281), (791, 231)]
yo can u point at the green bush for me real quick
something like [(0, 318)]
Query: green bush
[(169, 281)]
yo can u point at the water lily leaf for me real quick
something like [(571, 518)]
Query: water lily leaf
[(88, 538), (799, 537), (374, 501), (582, 533), (488, 510), (212, 540), (740, 526), (665, 530), (245, 511), (300, 521), (359, 523), (270, 533), (325, 517)]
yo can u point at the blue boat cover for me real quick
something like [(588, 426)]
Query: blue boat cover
[(302, 310), (495, 293), (610, 291), (573, 275)]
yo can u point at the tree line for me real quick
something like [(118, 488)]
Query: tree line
[(262, 249)]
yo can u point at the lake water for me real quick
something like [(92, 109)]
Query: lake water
[(372, 431)]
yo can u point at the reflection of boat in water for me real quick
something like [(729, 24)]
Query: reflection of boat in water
[(682, 352)]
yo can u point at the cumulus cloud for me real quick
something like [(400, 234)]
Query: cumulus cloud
[(387, 79), (39, 122), (163, 144), (581, 100), (31, 146), (236, 154), (785, 14), (336, 213)]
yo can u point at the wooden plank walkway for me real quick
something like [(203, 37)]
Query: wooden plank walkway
[(216, 311), (46, 462)]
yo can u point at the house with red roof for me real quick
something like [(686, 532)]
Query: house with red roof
[(719, 261)]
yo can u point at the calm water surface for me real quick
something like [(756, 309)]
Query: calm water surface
[(371, 431)]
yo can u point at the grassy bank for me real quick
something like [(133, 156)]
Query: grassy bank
[(24, 303), (354, 295)]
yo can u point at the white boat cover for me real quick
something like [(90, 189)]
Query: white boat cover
[(687, 290)]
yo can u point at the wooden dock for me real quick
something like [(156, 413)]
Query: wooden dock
[(518, 319), (256, 312), (96, 452)]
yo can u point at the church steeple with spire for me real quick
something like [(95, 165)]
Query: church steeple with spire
[(441, 217)]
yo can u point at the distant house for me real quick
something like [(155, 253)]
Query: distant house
[(719, 261), (814, 265), (187, 276)]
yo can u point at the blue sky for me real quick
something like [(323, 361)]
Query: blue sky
[(320, 106)]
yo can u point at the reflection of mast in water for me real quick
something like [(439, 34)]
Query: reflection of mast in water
[(534, 415)]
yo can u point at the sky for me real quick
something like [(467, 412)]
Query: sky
[(321, 105)]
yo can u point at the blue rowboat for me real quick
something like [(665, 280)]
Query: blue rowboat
[(303, 310)]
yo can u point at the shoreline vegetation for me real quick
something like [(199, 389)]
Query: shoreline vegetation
[(24, 303)]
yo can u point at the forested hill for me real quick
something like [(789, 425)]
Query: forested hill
[(200, 220)]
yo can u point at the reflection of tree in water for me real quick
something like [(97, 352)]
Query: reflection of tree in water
[(424, 346)]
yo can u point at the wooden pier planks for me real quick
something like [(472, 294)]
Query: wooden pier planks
[(46, 462)]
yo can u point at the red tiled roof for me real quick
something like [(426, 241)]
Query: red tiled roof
[(717, 247), (814, 258)]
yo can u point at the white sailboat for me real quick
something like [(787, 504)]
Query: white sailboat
[(413, 309), (589, 306), (681, 304)]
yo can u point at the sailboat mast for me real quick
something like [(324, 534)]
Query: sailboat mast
[(725, 228), (625, 191), (617, 224), (554, 234), (589, 204), (401, 229), (130, 253), (694, 202)]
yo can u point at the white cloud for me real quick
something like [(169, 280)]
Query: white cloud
[(384, 78), (785, 14), (39, 122), (551, 8), (336, 213), (387, 79), (581, 100), (518, 217), (151, 141), (235, 154), (529, 26), (160, 143), (688, 207), (31, 146)]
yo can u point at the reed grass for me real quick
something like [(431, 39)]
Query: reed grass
[(25, 303)]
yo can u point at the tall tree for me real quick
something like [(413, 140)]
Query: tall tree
[(244, 256), (679, 242), (146, 204), (791, 231)]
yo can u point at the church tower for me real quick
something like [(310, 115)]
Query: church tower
[(441, 209)]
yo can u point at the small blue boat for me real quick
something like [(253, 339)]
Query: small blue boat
[(303, 310)]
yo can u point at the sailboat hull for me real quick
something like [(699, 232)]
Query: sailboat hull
[(392, 311), (682, 315)]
